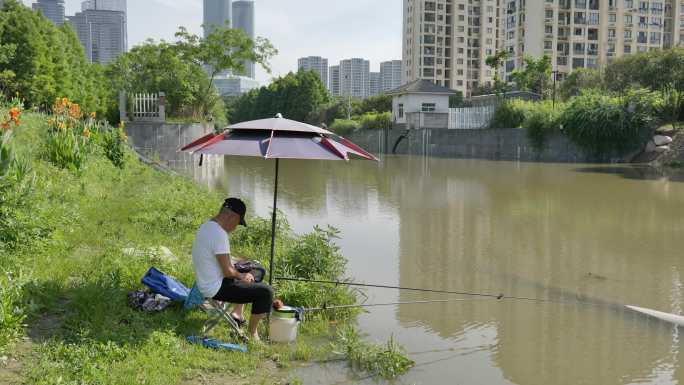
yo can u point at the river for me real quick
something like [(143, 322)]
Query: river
[(586, 238)]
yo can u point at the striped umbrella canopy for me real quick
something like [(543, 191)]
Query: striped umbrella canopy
[(277, 138)]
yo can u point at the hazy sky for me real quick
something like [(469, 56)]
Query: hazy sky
[(335, 29)]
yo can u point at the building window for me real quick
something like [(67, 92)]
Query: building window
[(428, 107), (401, 110)]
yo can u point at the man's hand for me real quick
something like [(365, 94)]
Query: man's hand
[(247, 277)]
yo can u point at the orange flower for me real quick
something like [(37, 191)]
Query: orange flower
[(93, 115), (75, 111), (86, 133), (5, 125), (14, 114), (65, 101)]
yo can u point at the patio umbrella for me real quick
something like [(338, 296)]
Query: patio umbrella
[(277, 138)]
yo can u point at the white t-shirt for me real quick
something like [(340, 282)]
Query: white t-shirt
[(211, 240)]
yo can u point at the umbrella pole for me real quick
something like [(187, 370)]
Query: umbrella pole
[(273, 225)]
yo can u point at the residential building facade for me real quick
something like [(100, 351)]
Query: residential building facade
[(448, 41), (317, 64), (374, 84), (587, 33), (243, 18), (390, 75), (102, 33), (53, 10), (334, 81), (355, 78)]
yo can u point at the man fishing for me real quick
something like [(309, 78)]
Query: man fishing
[(215, 272)]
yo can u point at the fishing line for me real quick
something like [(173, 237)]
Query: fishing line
[(324, 307), (466, 293), (497, 296)]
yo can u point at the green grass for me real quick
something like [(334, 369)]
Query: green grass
[(65, 277)]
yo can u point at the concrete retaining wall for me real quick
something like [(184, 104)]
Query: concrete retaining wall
[(163, 138), (494, 144)]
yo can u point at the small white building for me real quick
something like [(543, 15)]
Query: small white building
[(421, 103)]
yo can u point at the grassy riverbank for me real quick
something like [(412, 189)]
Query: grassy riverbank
[(64, 276)]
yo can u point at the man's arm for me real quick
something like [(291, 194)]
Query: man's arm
[(229, 270)]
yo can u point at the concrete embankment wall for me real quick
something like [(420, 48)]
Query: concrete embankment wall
[(494, 144), (163, 139)]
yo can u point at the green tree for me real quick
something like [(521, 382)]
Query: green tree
[(224, 49), (655, 70), (495, 62), (379, 103), (179, 69), (298, 96), (42, 62), (580, 79), (534, 76)]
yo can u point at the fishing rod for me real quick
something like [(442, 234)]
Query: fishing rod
[(662, 316)]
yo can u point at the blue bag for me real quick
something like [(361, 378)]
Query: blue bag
[(214, 344), (161, 283)]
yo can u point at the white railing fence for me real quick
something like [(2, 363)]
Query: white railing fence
[(144, 106), (471, 118)]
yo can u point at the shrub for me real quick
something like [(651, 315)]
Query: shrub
[(541, 121), (113, 142), (309, 256), (510, 113), (604, 124), (375, 120), (344, 126)]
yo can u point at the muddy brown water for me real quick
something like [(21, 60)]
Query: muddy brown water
[(591, 237)]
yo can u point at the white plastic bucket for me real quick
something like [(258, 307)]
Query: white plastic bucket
[(283, 329)]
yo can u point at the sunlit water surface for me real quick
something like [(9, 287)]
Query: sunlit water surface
[(589, 238)]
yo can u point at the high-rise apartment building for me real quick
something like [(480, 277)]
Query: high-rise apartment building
[(334, 82), (53, 10), (390, 75), (217, 13), (102, 33), (448, 41), (355, 78), (243, 18), (105, 5), (375, 82), (110, 5), (587, 33), (317, 64)]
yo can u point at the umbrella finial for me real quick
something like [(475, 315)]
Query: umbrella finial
[(279, 115)]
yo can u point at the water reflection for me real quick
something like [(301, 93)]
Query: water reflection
[(556, 232)]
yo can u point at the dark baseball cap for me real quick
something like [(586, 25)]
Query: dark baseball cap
[(238, 207)]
